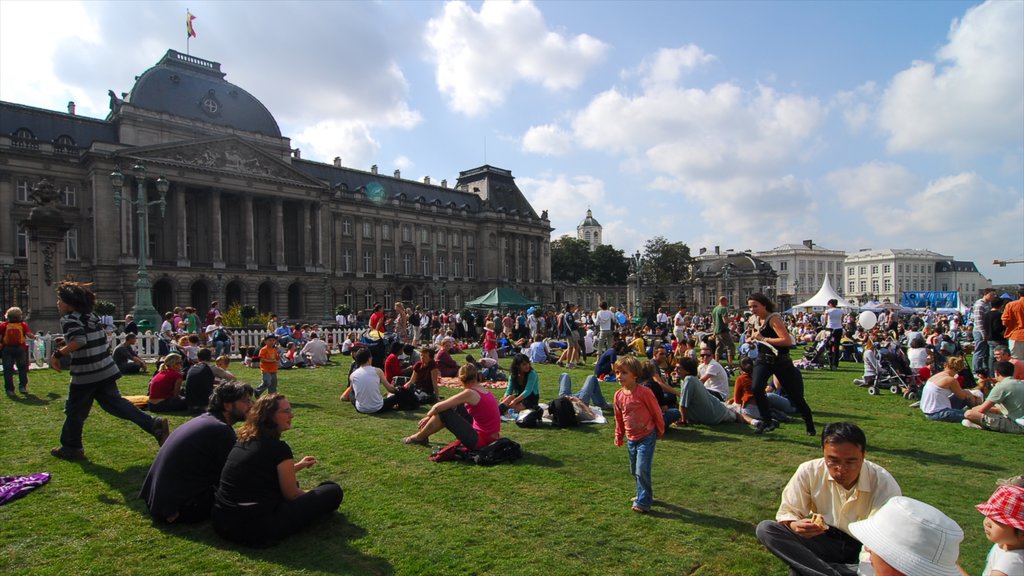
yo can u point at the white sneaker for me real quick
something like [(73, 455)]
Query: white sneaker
[(915, 404), (968, 424), (755, 423)]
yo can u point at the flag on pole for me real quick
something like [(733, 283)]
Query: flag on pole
[(188, 24)]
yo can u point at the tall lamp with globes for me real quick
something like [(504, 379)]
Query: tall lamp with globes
[(143, 309)]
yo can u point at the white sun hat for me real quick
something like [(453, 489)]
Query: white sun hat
[(912, 537)]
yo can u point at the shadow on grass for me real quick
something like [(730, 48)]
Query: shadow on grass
[(821, 417), (305, 405), (956, 460), (673, 512), (691, 435), (535, 459), (323, 547), (31, 399)]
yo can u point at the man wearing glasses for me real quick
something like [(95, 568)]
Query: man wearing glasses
[(810, 532)]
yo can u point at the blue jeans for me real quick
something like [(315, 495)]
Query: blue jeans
[(269, 383), (220, 348), (947, 415), (79, 403), (641, 459), (980, 360), (15, 356), (590, 393)]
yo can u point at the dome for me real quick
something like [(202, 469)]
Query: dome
[(739, 264), (589, 220), (194, 88)]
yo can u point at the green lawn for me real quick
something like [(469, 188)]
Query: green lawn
[(562, 509)]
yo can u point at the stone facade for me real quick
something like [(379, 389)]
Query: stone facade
[(248, 220)]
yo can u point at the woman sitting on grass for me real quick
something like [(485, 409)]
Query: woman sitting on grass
[(165, 387), (259, 501), (426, 377), (943, 398), (471, 415), (523, 390)]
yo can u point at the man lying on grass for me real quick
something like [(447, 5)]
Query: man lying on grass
[(811, 529)]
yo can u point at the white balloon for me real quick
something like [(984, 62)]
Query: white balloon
[(867, 319)]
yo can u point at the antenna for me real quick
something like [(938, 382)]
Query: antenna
[(485, 148)]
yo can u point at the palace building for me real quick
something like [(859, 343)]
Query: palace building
[(247, 220)]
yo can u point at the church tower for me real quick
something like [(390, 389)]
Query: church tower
[(589, 231)]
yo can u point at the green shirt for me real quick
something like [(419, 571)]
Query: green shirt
[(719, 315), (1010, 393)]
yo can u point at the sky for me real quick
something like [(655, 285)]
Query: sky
[(744, 125)]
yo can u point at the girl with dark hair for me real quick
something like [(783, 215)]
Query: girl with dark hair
[(259, 501), (523, 388), (93, 373), (773, 345)]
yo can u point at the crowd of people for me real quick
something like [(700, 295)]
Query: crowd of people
[(670, 374)]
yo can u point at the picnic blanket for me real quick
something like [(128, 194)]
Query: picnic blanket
[(14, 487), (599, 417), (454, 382)]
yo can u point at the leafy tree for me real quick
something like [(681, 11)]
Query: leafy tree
[(666, 262), (608, 265), (570, 259)]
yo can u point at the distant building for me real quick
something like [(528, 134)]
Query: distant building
[(248, 220), (589, 231), (886, 273), (802, 269), (734, 275)]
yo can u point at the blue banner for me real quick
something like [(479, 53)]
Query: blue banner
[(931, 300)]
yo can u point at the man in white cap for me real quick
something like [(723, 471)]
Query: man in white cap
[(907, 537), (811, 532)]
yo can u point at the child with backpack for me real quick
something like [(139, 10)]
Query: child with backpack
[(638, 419), (14, 337)]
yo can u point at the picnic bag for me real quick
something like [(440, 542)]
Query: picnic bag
[(454, 451), (501, 450), (561, 412), (529, 418), (14, 334), (407, 399)]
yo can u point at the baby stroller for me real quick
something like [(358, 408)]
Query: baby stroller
[(818, 353), (896, 375)]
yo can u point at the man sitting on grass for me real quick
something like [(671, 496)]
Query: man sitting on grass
[(182, 480), (1008, 393), (364, 385), (811, 529)]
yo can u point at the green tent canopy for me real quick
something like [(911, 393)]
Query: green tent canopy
[(501, 298)]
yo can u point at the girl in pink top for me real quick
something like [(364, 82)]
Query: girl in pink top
[(471, 415), (637, 418), (490, 341)]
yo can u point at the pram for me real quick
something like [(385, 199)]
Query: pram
[(818, 353), (896, 375)]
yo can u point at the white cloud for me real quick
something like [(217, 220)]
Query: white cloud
[(857, 106), (549, 139), (481, 55), (565, 198), (871, 186), (667, 65), (402, 162), (971, 99), (352, 141)]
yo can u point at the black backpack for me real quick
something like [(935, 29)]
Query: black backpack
[(501, 450), (562, 413), (529, 418)]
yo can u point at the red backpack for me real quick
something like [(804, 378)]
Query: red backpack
[(14, 334)]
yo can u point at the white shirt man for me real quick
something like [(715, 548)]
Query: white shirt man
[(713, 375), (317, 350)]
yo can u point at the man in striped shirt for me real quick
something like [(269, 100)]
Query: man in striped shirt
[(93, 373)]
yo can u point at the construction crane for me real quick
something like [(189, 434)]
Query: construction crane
[(1003, 263)]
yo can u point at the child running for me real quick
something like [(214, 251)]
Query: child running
[(1004, 527), (638, 419), (270, 361), (14, 336)]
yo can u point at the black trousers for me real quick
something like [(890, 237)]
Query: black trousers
[(260, 527), (824, 555)]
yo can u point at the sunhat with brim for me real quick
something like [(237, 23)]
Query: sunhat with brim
[(912, 537), (1006, 506)]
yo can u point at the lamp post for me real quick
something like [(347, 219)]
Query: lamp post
[(143, 309), (726, 274), (638, 261)]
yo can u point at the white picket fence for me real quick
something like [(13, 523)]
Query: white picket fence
[(148, 346)]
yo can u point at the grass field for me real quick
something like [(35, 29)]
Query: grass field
[(562, 509)]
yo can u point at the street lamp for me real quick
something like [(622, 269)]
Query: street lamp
[(638, 261), (726, 273), (143, 309)]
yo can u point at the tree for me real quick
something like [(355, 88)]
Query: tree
[(666, 262), (570, 259), (608, 265)]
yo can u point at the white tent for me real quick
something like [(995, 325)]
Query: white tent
[(820, 300)]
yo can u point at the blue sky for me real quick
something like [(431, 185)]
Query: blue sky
[(740, 124)]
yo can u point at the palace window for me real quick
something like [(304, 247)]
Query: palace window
[(385, 231), (367, 229), (470, 268), (406, 233), (407, 264), (69, 195), (71, 244), (23, 191), (387, 262), (425, 265), (456, 266), (346, 260), (346, 227), (368, 261), (22, 243), (440, 266), (368, 299)]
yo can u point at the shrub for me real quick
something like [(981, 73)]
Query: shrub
[(240, 316)]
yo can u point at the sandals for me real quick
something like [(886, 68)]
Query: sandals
[(640, 510), (413, 440)]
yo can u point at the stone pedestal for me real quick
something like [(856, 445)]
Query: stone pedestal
[(46, 231)]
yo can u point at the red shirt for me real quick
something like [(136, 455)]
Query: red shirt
[(377, 321), (161, 387), (392, 368), (637, 414)]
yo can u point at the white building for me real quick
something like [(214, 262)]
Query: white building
[(589, 231), (802, 268), (885, 274)]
